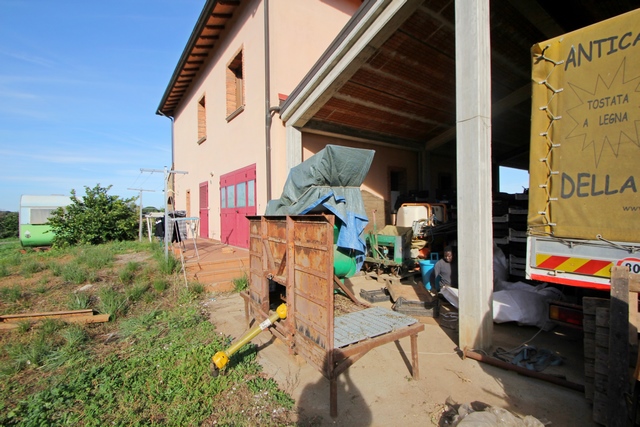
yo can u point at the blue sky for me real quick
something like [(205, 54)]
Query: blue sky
[(80, 82), (513, 181)]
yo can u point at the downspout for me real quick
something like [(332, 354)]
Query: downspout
[(171, 167), (269, 111), (166, 186)]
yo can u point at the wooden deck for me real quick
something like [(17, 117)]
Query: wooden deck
[(213, 263)]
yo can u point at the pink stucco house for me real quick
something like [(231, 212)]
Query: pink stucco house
[(440, 89), (242, 61)]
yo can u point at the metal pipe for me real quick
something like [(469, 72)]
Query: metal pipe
[(519, 369), (221, 358), (267, 96)]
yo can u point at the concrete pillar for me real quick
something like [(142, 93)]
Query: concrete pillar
[(294, 147), (473, 147)]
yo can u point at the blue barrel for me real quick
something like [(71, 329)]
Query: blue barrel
[(426, 267)]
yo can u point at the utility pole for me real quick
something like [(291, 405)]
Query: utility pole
[(167, 174), (140, 226)]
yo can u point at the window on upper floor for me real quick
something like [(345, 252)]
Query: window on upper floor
[(235, 86), (202, 120)]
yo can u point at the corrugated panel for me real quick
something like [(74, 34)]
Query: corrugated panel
[(368, 323)]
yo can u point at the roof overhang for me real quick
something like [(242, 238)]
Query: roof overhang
[(212, 22)]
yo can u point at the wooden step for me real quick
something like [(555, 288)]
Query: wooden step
[(213, 265), (217, 276)]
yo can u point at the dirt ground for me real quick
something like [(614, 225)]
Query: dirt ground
[(378, 389)]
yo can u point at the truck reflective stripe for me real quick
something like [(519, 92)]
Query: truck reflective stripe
[(592, 267), (549, 261)]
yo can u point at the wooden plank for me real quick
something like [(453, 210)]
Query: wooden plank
[(43, 315), (98, 318), (85, 319), (618, 347)]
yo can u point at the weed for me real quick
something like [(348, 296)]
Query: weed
[(149, 297), (71, 352), (167, 266), (240, 283), (30, 267), (30, 355), (96, 257), (49, 326), (136, 292), (11, 294), (128, 273), (197, 288), (74, 273), (78, 301), (55, 268), (24, 326), (13, 259), (112, 302), (4, 270), (160, 284)]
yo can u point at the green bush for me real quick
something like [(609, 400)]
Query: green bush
[(8, 224), (94, 219)]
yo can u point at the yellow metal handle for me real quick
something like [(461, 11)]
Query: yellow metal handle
[(221, 358)]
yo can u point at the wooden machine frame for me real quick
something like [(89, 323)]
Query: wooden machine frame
[(297, 252)]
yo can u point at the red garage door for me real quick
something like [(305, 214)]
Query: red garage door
[(237, 200)]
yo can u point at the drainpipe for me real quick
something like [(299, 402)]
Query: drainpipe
[(172, 146), (267, 97), (166, 186)]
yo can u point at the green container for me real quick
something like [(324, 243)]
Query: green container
[(344, 264), (36, 235), (34, 216)]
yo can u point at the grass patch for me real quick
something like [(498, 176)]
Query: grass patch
[(128, 274), (160, 284), (4, 270), (166, 266), (11, 294), (79, 301), (136, 292), (240, 283), (30, 267), (112, 302), (149, 366), (96, 257), (197, 288), (77, 274)]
